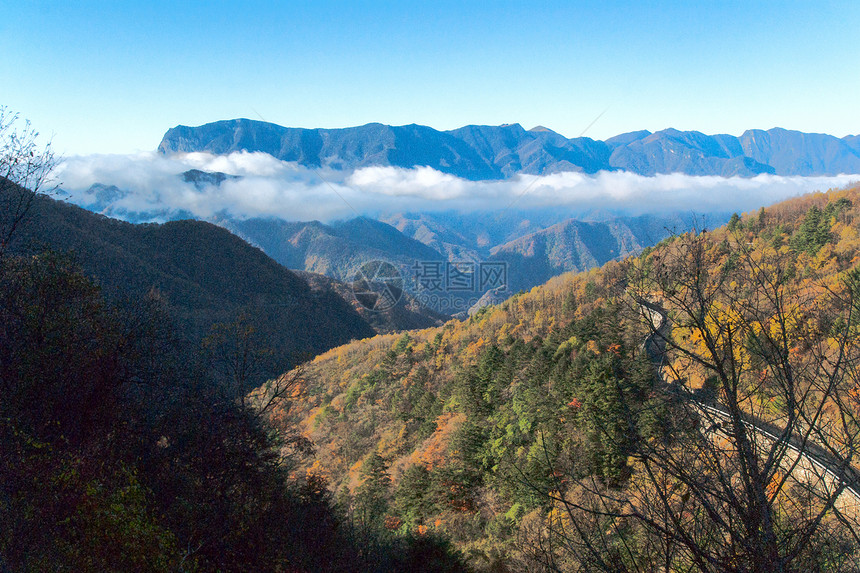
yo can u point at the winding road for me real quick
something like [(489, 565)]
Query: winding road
[(655, 346)]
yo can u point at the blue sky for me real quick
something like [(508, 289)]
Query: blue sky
[(112, 77)]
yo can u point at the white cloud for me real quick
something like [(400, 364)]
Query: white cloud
[(269, 187), (420, 182)]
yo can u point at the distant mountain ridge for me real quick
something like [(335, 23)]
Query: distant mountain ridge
[(483, 152), (574, 245), (533, 246), (532, 252), (336, 250)]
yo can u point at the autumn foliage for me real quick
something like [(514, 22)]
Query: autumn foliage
[(488, 426)]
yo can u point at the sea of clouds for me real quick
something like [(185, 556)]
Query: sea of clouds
[(268, 187)]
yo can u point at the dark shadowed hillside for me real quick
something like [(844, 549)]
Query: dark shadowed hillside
[(205, 273)]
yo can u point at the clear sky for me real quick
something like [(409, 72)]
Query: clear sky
[(112, 77)]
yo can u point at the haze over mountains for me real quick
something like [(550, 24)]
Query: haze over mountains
[(480, 152), (531, 246), (574, 245)]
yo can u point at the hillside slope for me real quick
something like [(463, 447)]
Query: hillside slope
[(408, 314), (574, 245), (205, 273), (336, 250), (477, 423)]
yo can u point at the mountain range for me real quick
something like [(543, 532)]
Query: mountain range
[(532, 249), (336, 250), (575, 245), (533, 246), (482, 152)]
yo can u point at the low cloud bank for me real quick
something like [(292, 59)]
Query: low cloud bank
[(268, 187)]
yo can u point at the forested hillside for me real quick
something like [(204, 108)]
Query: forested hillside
[(537, 435), (205, 275), (127, 444)]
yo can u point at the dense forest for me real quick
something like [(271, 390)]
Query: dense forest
[(123, 452), (538, 435)]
